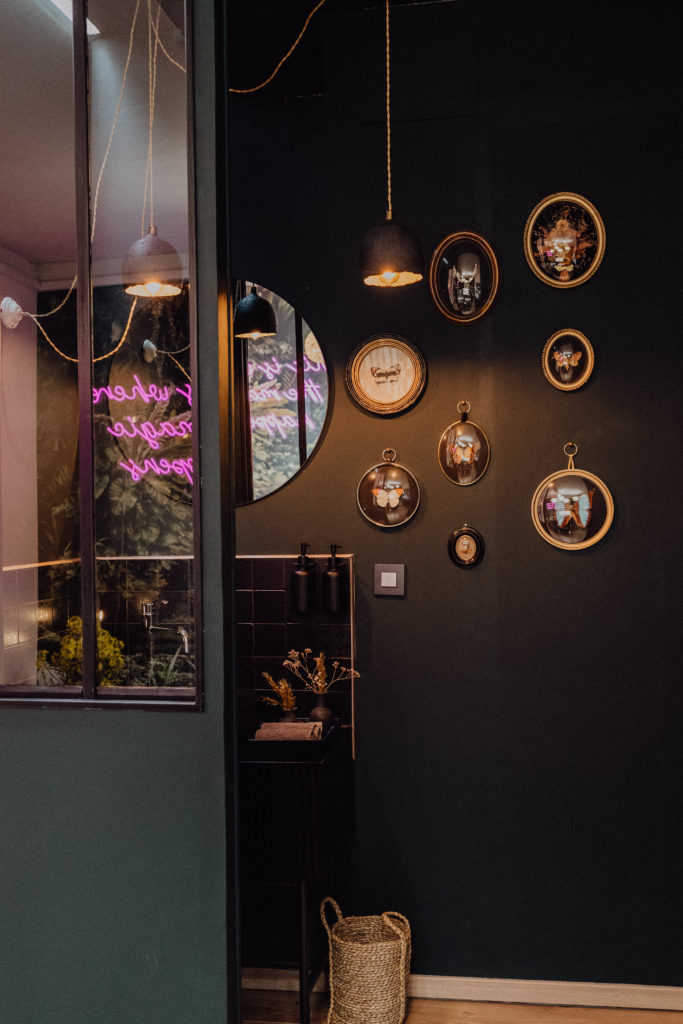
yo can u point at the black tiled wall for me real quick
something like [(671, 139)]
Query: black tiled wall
[(268, 628)]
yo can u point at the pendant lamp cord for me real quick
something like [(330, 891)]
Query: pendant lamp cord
[(152, 63), (290, 51), (389, 209), (153, 28)]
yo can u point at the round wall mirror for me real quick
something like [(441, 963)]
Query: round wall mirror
[(282, 398)]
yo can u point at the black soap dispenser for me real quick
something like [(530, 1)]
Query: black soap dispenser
[(335, 584), (304, 583)]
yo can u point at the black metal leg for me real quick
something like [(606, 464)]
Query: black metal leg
[(304, 958)]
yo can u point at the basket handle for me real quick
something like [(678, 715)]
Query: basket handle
[(404, 935), (323, 918), (402, 932)]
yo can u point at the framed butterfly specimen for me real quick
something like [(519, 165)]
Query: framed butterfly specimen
[(572, 509), (388, 494), (568, 359), (386, 374), (464, 450), (466, 547), (564, 240)]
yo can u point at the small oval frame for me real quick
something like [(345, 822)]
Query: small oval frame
[(434, 268), (453, 545), (587, 368)]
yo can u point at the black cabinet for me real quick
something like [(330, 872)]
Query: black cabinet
[(296, 817)]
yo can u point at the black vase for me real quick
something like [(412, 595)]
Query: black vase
[(321, 712)]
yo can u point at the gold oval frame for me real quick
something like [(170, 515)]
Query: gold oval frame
[(459, 483), (495, 275), (587, 206), (604, 490), (360, 394), (590, 359)]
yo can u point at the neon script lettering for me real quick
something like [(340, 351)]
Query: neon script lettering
[(311, 391), (281, 425), (151, 432), (273, 368), (148, 393), (160, 467)]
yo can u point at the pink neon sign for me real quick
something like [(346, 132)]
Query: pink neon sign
[(152, 433)]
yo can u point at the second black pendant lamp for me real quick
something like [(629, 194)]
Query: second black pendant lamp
[(391, 255), (254, 317)]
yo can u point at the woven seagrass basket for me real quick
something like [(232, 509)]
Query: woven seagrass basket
[(369, 967)]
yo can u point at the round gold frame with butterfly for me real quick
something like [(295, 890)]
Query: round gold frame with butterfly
[(568, 359), (386, 374), (388, 495)]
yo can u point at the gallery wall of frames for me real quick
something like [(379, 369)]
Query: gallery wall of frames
[(498, 429)]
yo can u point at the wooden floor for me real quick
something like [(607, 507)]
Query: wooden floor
[(259, 1007), (283, 1008)]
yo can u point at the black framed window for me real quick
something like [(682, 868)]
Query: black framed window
[(99, 537)]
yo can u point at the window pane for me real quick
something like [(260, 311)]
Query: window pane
[(39, 522), (142, 398)]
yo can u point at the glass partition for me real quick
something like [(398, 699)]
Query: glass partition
[(39, 490), (135, 593)]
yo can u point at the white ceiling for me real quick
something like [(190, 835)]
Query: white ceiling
[(37, 144)]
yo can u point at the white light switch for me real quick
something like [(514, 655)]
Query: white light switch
[(389, 580)]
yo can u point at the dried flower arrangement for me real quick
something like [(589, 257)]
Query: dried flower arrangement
[(284, 698), (313, 671)]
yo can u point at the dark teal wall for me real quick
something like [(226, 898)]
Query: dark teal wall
[(518, 726), (113, 840), (113, 866)]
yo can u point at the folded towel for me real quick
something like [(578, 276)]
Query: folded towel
[(290, 731)]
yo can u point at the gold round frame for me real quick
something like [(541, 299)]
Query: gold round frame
[(571, 509), (370, 386), (434, 270), (567, 243), (582, 377)]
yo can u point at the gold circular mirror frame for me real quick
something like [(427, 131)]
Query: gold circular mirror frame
[(606, 496)]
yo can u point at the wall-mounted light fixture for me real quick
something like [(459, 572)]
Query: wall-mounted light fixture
[(391, 255)]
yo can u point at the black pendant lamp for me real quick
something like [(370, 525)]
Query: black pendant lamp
[(391, 255), (254, 317)]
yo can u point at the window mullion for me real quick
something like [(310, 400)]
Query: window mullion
[(84, 334)]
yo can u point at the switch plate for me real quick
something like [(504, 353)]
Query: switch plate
[(389, 580)]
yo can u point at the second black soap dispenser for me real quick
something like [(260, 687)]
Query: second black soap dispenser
[(304, 582), (335, 584)]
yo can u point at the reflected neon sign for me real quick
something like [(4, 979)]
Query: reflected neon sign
[(152, 433), (283, 424)]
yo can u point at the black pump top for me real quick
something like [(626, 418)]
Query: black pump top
[(303, 561), (333, 562)]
